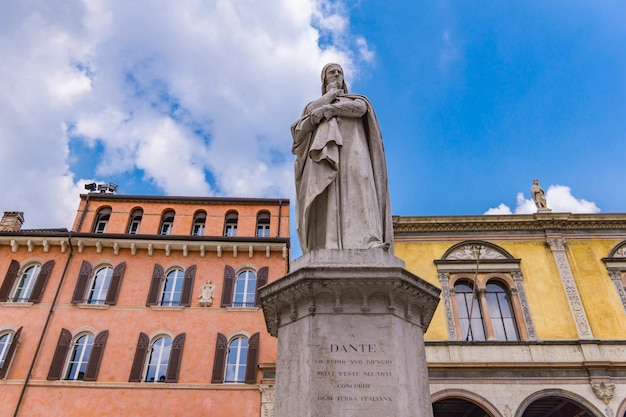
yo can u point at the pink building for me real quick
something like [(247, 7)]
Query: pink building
[(147, 306)]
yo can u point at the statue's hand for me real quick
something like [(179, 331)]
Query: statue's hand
[(333, 89), (317, 115)]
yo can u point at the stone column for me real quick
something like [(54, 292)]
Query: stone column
[(350, 327)]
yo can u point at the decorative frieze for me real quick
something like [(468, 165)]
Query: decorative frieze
[(557, 246)]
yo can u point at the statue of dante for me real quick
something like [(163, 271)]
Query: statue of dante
[(538, 194), (342, 201)]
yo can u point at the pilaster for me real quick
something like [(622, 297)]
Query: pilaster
[(557, 246)]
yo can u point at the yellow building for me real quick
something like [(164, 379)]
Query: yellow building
[(532, 320)]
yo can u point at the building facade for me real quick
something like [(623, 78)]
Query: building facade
[(532, 317), (147, 306)]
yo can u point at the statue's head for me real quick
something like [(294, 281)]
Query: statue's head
[(330, 68), (536, 181)]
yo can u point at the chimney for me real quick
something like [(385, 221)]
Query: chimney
[(11, 221)]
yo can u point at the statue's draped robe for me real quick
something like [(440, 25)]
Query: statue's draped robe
[(342, 200)]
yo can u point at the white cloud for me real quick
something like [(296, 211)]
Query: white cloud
[(501, 209), (177, 90), (559, 199)]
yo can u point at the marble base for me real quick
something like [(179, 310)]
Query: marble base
[(350, 337)]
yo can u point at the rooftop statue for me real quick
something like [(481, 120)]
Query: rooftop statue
[(342, 200), (539, 197)]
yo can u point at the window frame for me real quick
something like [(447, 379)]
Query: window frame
[(173, 283), (86, 279), (82, 362), (239, 355), (263, 223), (104, 288), (5, 345), (8, 351), (222, 346), (231, 220), (61, 361), (198, 227), (143, 353), (245, 297), (162, 361), (494, 263), (134, 221), (158, 283), (166, 225), (101, 221), (470, 313), (31, 281), (509, 323)]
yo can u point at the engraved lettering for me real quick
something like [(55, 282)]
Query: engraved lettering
[(356, 348)]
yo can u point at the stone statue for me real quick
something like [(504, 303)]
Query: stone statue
[(538, 195), (342, 200), (206, 294)]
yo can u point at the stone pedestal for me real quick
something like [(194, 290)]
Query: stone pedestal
[(350, 328)]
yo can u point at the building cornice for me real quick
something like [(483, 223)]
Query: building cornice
[(186, 244), (539, 222), (183, 199)]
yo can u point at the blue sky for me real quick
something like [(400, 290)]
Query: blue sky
[(475, 100)]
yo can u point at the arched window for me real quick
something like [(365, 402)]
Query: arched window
[(25, 284), (135, 221), (236, 360), (167, 222), (172, 288), (100, 285), (503, 306), (501, 311), (8, 345), (263, 224), (78, 358), (156, 369), (5, 343), (245, 289), (470, 315), (102, 219), (77, 364), (158, 361), (230, 223), (199, 221)]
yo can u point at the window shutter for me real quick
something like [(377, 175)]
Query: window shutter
[(93, 365), (253, 359), (261, 280), (9, 280), (81, 283), (58, 360), (221, 349), (190, 274), (228, 287), (140, 357), (40, 284), (10, 353), (155, 285), (116, 282), (176, 355)]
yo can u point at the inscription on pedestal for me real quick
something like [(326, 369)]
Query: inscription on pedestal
[(354, 376)]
